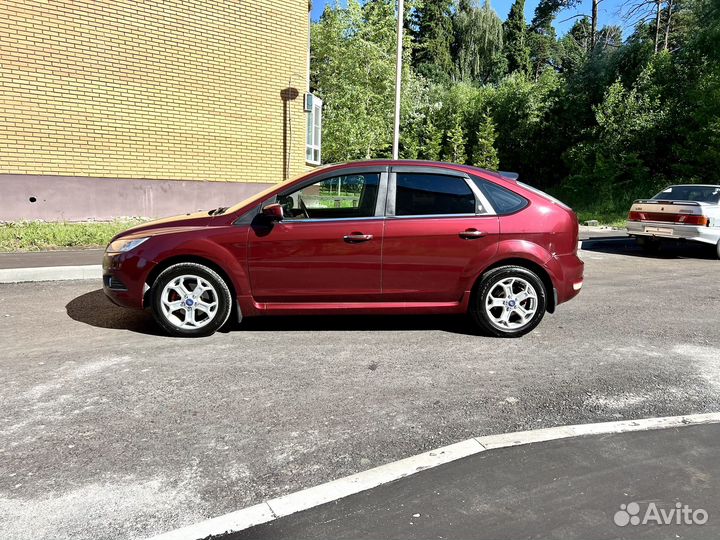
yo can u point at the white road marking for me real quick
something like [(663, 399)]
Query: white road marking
[(343, 487)]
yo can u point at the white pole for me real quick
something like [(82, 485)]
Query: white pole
[(398, 79)]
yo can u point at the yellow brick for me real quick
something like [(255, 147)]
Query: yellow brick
[(177, 89)]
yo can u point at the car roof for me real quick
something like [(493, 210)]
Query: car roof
[(411, 163), (694, 185)]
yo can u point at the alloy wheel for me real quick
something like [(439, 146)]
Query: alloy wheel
[(189, 302), (511, 303)]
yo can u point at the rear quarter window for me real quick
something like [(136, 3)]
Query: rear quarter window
[(502, 199)]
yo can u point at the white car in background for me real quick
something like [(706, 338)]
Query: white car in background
[(682, 212)]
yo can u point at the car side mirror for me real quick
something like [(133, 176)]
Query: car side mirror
[(274, 212)]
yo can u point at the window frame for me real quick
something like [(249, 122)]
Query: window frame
[(482, 204), (482, 180), (313, 130)]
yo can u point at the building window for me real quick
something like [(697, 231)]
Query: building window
[(313, 145)]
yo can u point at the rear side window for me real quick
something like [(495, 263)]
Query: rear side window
[(503, 200), (432, 194)]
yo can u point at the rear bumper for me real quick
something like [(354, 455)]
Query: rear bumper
[(570, 283), (661, 229)]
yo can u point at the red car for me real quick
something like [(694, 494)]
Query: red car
[(405, 237)]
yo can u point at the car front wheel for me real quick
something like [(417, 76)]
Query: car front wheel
[(510, 301), (191, 300)]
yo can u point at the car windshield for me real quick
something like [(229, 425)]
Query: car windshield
[(690, 192), (257, 197), (265, 192)]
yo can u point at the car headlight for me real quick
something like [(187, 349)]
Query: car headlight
[(122, 245)]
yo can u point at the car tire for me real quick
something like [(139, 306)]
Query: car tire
[(190, 300), (509, 301)]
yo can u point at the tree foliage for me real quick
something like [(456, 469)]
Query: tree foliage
[(517, 49), (433, 35), (597, 119), (478, 43)]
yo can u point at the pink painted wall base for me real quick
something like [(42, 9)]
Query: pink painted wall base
[(72, 198)]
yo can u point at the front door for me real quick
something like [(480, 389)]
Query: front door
[(437, 237), (328, 246)]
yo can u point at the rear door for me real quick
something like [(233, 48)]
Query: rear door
[(439, 229), (328, 247)]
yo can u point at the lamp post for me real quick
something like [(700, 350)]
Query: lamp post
[(398, 79)]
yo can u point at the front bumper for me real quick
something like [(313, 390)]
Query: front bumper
[(124, 277), (661, 229)]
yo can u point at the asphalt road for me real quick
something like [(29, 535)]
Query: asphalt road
[(570, 488), (110, 430)]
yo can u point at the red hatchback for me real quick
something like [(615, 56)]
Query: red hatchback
[(359, 238)]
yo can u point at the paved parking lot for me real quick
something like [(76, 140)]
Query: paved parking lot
[(112, 430)]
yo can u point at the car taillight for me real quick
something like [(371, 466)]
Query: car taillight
[(692, 220), (684, 219)]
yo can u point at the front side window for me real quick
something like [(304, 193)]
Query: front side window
[(432, 194), (348, 196), (313, 146)]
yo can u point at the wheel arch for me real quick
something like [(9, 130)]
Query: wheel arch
[(534, 267), (198, 259)]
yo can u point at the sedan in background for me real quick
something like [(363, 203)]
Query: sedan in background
[(682, 212), (375, 237)]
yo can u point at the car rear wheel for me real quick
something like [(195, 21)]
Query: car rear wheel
[(191, 300), (510, 301)]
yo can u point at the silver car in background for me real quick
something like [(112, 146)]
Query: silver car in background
[(682, 212)]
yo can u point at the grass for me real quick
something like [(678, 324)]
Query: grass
[(609, 218), (40, 236)]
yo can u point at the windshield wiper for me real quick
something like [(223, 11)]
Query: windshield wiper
[(217, 211)]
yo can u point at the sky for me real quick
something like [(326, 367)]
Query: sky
[(608, 12)]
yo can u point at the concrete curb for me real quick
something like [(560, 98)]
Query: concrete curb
[(343, 487), (50, 273)]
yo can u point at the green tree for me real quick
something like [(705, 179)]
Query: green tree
[(431, 147), (516, 48), (484, 153), (431, 27), (621, 160), (542, 41), (455, 142), (574, 47), (478, 42), (353, 71)]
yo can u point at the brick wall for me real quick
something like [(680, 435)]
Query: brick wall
[(152, 89)]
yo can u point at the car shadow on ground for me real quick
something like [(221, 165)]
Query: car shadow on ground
[(456, 324), (622, 245), (95, 309)]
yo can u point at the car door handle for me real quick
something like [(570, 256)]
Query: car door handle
[(471, 234), (355, 238)]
